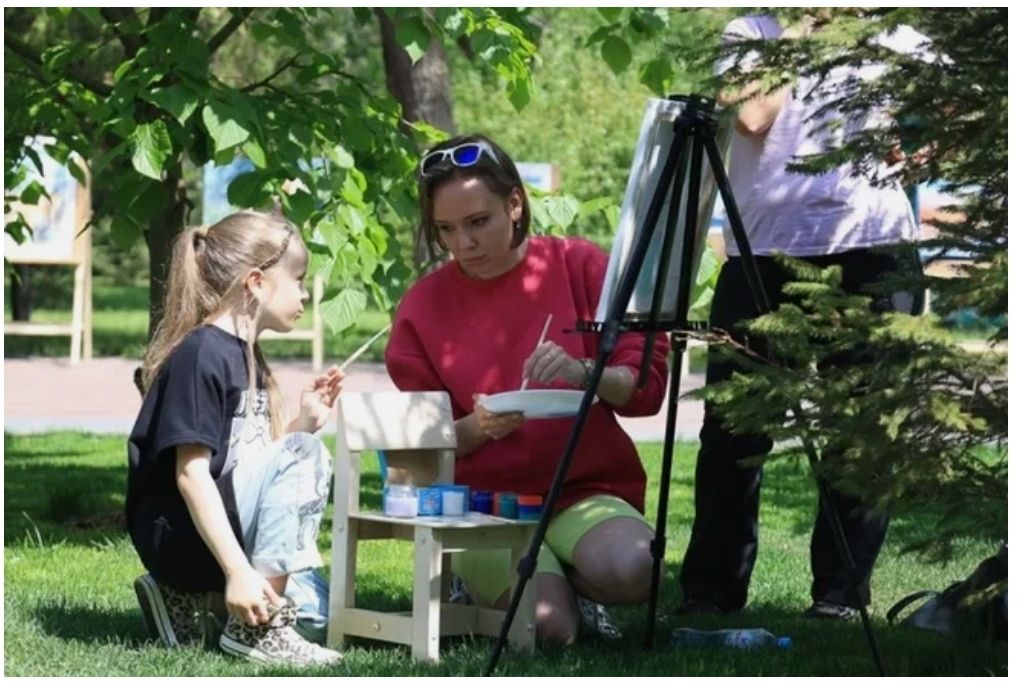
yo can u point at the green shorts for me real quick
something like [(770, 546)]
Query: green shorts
[(485, 572)]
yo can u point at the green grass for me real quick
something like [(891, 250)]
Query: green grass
[(69, 608)]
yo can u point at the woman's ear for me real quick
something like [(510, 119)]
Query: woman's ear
[(515, 205)]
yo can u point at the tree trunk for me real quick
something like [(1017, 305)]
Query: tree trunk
[(161, 235), (422, 89)]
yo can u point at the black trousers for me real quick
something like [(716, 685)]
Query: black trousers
[(725, 536)]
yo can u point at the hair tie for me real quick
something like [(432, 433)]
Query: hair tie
[(200, 238)]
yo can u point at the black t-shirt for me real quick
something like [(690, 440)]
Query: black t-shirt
[(199, 397)]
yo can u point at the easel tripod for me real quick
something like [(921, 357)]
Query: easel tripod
[(694, 136)]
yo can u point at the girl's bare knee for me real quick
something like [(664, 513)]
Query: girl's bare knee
[(555, 626)]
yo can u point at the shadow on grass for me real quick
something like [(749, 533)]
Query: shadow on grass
[(46, 502), (71, 621)]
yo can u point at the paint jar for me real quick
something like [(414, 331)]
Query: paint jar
[(400, 501), (508, 507), (455, 499), (483, 502), (430, 501), (530, 507)]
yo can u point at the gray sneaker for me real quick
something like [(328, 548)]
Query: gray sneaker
[(459, 594), (275, 642), (176, 618), (596, 620)]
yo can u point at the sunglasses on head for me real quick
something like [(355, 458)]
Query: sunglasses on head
[(462, 155)]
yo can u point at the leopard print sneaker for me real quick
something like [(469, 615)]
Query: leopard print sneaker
[(596, 620), (175, 617), (276, 642)]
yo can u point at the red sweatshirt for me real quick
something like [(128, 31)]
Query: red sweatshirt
[(468, 336)]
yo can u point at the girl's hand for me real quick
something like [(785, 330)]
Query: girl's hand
[(317, 400), (247, 596), (550, 362), (495, 425)]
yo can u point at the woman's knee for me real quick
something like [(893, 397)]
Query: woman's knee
[(634, 574), (614, 560)]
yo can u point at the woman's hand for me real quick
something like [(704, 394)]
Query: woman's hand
[(550, 362), (317, 401), (495, 425), (247, 596)]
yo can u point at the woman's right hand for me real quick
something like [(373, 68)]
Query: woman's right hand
[(495, 425), (247, 596)]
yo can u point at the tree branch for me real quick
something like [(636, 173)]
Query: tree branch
[(115, 16), (228, 28), (32, 58), (267, 80)]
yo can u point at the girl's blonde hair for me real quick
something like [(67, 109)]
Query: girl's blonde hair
[(206, 276)]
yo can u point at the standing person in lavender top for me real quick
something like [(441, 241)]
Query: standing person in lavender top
[(838, 218)]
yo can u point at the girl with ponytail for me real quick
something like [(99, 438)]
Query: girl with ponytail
[(223, 497)]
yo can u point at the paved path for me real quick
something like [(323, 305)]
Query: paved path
[(42, 394)]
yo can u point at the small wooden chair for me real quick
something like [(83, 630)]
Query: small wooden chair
[(416, 434)]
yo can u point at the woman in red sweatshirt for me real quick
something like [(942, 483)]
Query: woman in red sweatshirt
[(471, 328)]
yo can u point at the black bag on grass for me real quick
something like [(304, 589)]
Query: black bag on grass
[(971, 609)]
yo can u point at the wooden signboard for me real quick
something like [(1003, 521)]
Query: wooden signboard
[(60, 236)]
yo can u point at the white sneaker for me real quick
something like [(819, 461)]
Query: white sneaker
[(275, 642)]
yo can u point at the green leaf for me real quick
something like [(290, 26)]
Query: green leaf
[(341, 311), (225, 125), (610, 14), (562, 210), (177, 100), (151, 148), (92, 15), (616, 53), (454, 20), (122, 69), (351, 193), (250, 190), (352, 218), (599, 35), (340, 157), (77, 169), (594, 205), (657, 75), (413, 36), (363, 15), (124, 232), (298, 206), (255, 153), (519, 92), (32, 192)]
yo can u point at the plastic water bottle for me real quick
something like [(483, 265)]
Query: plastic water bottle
[(746, 638)]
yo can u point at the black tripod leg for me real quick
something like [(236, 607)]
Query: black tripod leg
[(830, 513), (679, 344)]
